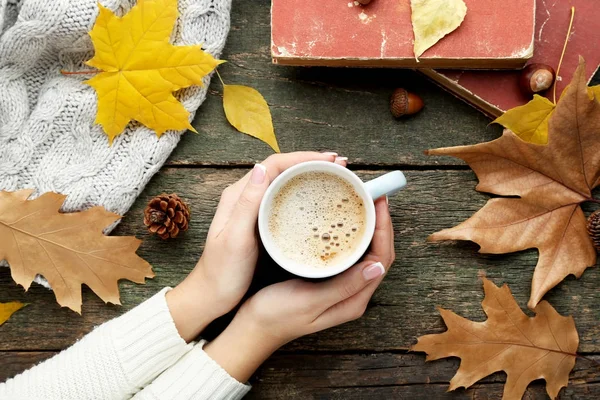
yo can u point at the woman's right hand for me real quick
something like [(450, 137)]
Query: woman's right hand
[(225, 270), (285, 311)]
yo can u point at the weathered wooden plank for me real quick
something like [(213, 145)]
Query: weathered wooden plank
[(344, 110), (418, 392), (424, 276), (387, 376), (14, 362), (381, 369), (325, 375)]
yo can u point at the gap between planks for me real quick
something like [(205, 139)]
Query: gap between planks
[(351, 166)]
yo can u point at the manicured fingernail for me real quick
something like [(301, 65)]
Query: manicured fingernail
[(340, 159), (330, 153), (258, 174), (373, 271)]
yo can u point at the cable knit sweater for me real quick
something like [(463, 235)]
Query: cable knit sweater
[(139, 355), (48, 138)]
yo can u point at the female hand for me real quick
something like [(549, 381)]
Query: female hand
[(225, 269), (285, 311)]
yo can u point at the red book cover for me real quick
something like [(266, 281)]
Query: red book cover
[(494, 92), (494, 34)]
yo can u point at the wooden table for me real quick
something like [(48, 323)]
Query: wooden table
[(344, 110)]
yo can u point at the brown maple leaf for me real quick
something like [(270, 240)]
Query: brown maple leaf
[(550, 181), (67, 249), (542, 347)]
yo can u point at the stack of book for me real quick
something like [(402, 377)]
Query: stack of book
[(479, 62)]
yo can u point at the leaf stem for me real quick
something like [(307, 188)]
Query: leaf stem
[(219, 75), (592, 200), (86, 72), (563, 51)]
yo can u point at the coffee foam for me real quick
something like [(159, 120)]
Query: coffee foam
[(317, 219)]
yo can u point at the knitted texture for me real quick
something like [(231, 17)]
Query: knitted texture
[(48, 139), (195, 376), (114, 361)]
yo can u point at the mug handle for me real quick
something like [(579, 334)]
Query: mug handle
[(387, 184)]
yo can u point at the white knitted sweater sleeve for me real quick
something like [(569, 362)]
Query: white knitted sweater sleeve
[(124, 355), (195, 376)]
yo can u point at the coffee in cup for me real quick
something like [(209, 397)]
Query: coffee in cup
[(317, 219)]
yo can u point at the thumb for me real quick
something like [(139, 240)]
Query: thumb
[(245, 211), (351, 282)]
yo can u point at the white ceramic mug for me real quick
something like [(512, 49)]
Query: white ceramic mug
[(387, 184)]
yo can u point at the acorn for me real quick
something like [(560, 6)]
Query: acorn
[(536, 78), (405, 103)]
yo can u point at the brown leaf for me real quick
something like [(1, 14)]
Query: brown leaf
[(67, 249), (542, 347), (550, 182)]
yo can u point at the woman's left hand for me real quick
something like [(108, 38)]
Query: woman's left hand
[(287, 310), (224, 272)]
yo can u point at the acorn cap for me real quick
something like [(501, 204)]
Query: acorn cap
[(403, 103)]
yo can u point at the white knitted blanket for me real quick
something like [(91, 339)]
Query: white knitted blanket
[(48, 139)]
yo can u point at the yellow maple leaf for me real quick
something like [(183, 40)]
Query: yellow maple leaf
[(248, 111), (594, 92), (529, 121), (8, 309), (142, 69)]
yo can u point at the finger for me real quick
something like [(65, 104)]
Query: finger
[(278, 163), (347, 284), (382, 245), (343, 161), (275, 165), (347, 310), (245, 211)]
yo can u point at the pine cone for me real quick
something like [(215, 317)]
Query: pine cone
[(166, 215), (593, 227)]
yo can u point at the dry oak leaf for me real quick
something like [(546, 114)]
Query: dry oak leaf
[(8, 309), (68, 249), (550, 181), (142, 68), (541, 347), (434, 19)]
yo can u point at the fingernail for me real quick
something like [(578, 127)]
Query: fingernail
[(373, 271), (330, 153), (258, 174), (340, 159), (387, 201)]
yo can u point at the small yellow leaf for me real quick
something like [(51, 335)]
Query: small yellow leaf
[(594, 92), (434, 19), (142, 68), (529, 121), (8, 309), (247, 110)]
